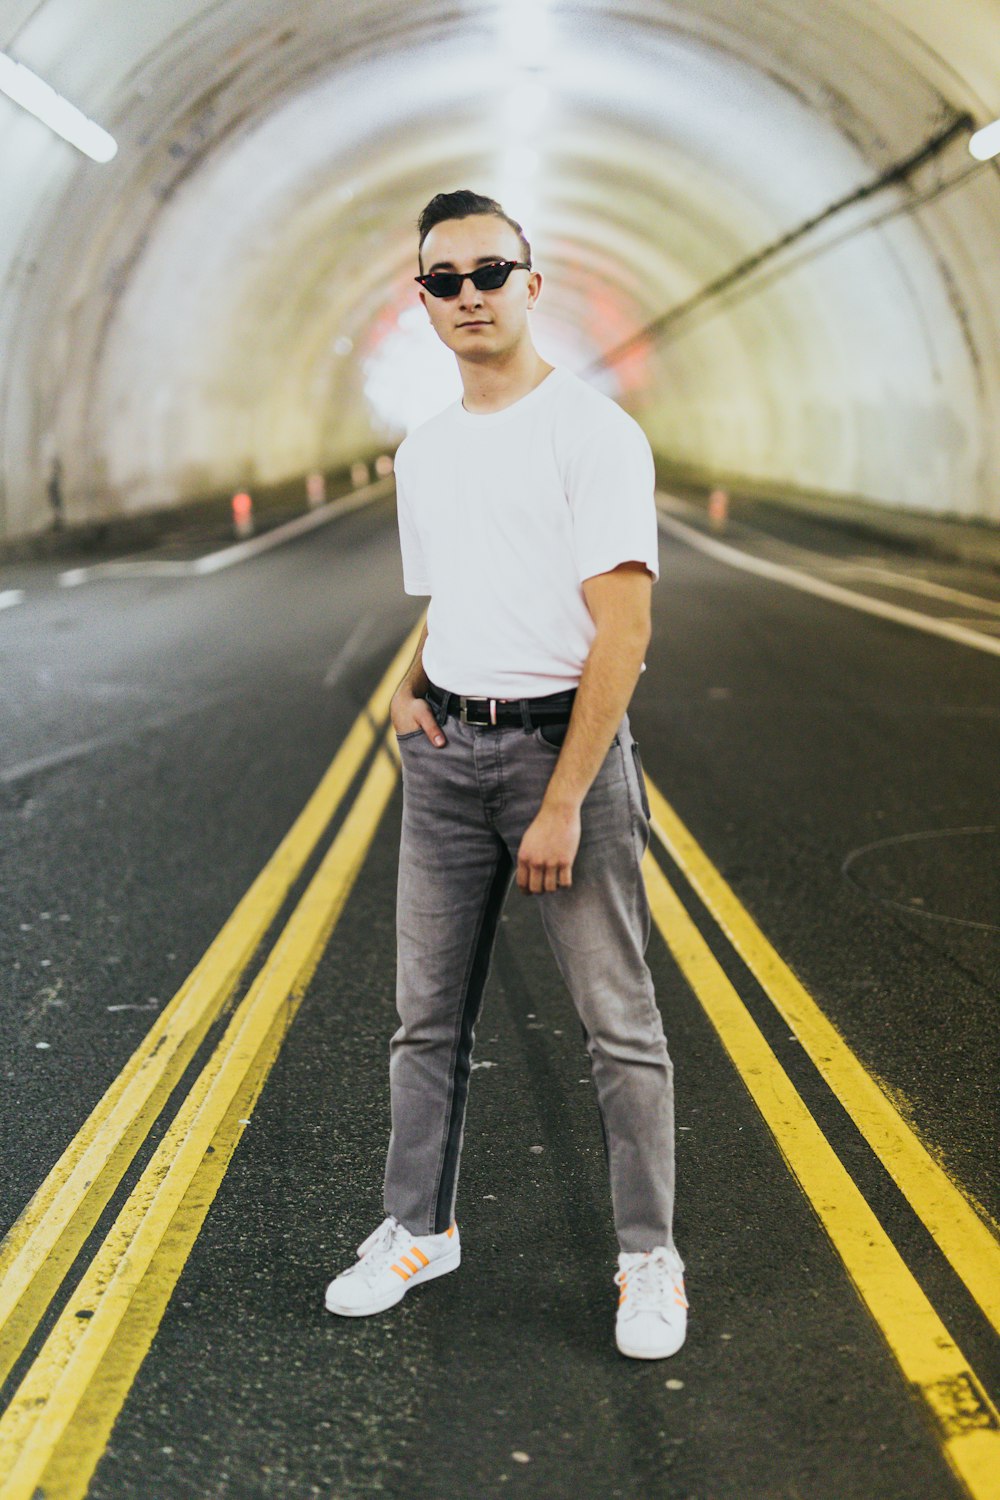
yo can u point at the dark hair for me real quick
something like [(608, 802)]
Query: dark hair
[(462, 204)]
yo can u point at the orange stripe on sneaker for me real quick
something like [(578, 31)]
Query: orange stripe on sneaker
[(451, 1229), (405, 1274), (408, 1262), (420, 1255)]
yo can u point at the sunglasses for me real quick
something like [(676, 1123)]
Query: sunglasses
[(484, 278)]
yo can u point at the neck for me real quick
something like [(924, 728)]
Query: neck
[(491, 386)]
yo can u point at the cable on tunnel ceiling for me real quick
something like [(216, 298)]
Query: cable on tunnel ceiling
[(793, 263), (657, 327)]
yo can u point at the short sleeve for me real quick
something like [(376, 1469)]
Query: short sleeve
[(414, 566), (610, 487)]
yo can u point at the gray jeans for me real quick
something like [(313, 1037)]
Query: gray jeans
[(465, 810)]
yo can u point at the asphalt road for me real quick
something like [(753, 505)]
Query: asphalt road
[(158, 738)]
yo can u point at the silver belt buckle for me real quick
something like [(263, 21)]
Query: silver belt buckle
[(463, 704)]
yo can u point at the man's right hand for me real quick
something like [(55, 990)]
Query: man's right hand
[(408, 712)]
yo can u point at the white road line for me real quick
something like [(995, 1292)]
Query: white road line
[(921, 586), (793, 578), (343, 656), (987, 624), (10, 597), (152, 569), (212, 562), (242, 550)]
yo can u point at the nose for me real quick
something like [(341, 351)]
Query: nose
[(469, 295)]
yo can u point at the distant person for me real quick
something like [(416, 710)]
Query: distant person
[(56, 495), (526, 512)]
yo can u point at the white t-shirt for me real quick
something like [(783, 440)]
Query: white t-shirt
[(501, 517)]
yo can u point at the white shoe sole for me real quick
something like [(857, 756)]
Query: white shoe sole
[(636, 1351), (439, 1267)]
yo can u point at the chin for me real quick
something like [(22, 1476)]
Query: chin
[(480, 355)]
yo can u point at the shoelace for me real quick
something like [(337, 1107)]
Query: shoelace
[(651, 1279), (389, 1240)]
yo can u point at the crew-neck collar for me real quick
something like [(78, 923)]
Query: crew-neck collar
[(480, 418)]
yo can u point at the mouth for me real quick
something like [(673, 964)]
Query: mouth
[(479, 323)]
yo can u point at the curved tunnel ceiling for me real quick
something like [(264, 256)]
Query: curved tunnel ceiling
[(230, 299)]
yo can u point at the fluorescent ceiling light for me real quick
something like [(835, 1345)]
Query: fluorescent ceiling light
[(986, 142), (521, 162), (40, 99), (525, 30), (524, 104)]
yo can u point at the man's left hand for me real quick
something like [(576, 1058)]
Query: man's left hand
[(548, 849)]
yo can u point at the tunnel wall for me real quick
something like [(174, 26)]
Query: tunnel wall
[(897, 400), (168, 324)]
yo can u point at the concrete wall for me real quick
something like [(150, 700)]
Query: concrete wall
[(207, 309)]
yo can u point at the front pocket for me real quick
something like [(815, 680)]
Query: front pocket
[(410, 734), (643, 797), (551, 735)]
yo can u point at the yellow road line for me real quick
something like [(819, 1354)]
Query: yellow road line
[(41, 1246), (964, 1419), (951, 1219), (68, 1474), (170, 1201)]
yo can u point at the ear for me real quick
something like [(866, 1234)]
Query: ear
[(423, 297), (534, 287)]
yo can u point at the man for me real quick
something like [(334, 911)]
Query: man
[(526, 512)]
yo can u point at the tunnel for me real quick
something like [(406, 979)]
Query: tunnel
[(561, 739), (761, 231)]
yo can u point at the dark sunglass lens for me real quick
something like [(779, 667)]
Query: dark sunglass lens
[(489, 278), (442, 283)]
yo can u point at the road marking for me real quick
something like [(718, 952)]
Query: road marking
[(41, 1246), (10, 597), (226, 557), (921, 586), (69, 1472), (989, 622), (44, 1406), (950, 1218), (824, 589), (347, 650), (964, 1419)]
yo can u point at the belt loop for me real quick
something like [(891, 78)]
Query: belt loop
[(441, 713), (525, 715)]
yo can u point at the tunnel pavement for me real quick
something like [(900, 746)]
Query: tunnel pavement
[(787, 736)]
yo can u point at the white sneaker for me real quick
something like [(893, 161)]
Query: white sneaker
[(390, 1261), (652, 1309)]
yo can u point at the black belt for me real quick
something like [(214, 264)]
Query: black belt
[(554, 708)]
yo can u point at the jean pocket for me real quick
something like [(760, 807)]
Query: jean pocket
[(410, 734), (643, 795), (551, 735)]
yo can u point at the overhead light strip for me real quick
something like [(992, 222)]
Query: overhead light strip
[(986, 142), (41, 100)]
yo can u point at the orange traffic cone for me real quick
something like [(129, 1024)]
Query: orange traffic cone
[(718, 509), (242, 514)]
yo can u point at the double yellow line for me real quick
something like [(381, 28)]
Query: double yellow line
[(962, 1415), (56, 1427), (59, 1421)]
